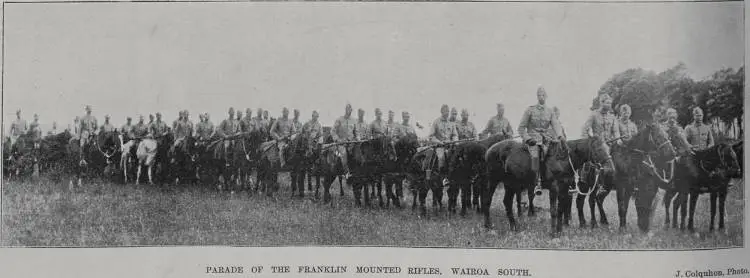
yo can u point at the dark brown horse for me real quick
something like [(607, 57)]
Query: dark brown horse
[(467, 172), (97, 158), (589, 163), (706, 171), (509, 162), (637, 173)]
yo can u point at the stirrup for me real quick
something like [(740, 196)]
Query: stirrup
[(538, 189), (446, 182)]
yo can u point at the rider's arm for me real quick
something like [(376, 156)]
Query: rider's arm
[(710, 140), (433, 133), (523, 125), (586, 130), (488, 127), (334, 130)]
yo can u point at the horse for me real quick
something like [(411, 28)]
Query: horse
[(20, 157), (367, 162), (183, 159), (226, 161), (393, 171), (706, 171), (637, 174), (303, 150), (589, 163), (326, 165), (97, 156), (146, 155), (510, 163), (467, 171), (421, 184)]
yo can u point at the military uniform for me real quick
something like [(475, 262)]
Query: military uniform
[(402, 130), (361, 130), (128, 131), (343, 130), (627, 129), (36, 133), (699, 135), (247, 124), (537, 123), (498, 125), (296, 126), (205, 130), (108, 127), (313, 129), (379, 128), (603, 125), (442, 131), (158, 129), (88, 127), (466, 130), (140, 130), (281, 131), (17, 128)]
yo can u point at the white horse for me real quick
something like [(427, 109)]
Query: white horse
[(146, 154), (125, 149)]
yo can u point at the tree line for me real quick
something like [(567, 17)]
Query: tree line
[(649, 94)]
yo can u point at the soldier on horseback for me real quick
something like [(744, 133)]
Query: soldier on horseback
[(443, 131), (697, 133), (378, 127), (626, 127), (107, 126), (281, 131), (498, 124), (182, 129), (228, 128), (602, 123), (343, 131), (313, 129), (158, 128), (205, 128), (88, 128), (17, 128), (465, 128), (36, 132), (247, 124), (405, 128), (538, 125), (676, 133), (391, 125)]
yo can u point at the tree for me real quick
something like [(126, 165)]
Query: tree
[(639, 88)]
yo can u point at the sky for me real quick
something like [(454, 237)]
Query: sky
[(127, 59)]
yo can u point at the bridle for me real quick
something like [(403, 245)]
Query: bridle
[(649, 163)]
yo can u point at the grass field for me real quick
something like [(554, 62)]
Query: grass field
[(46, 213)]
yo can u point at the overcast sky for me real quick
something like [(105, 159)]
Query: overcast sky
[(139, 58)]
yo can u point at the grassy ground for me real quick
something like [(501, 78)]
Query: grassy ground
[(48, 213)]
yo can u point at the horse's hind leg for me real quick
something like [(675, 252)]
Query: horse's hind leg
[(508, 203), (682, 199), (138, 174), (713, 198), (693, 201), (150, 175), (722, 201), (668, 196), (600, 204)]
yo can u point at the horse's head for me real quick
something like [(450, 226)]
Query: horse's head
[(557, 156), (728, 160), (405, 147), (654, 140), (599, 153)]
